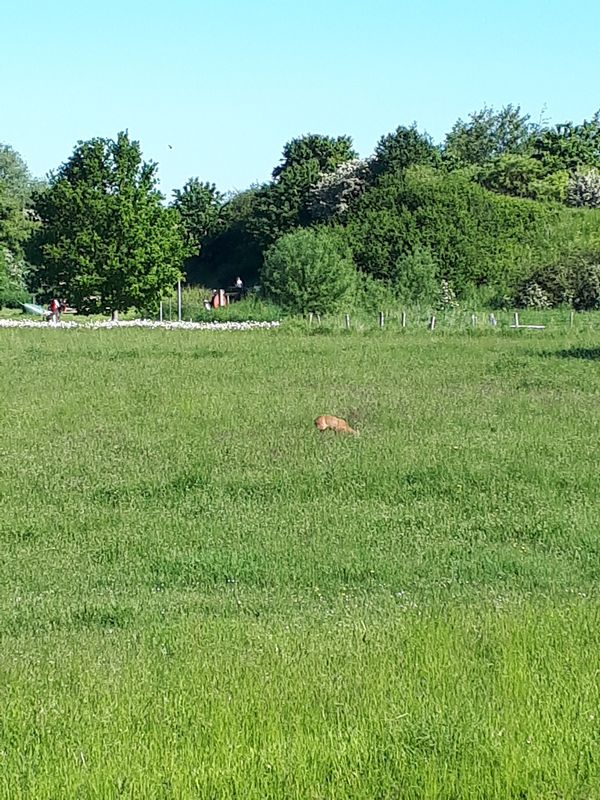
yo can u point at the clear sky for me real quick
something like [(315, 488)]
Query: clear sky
[(226, 84)]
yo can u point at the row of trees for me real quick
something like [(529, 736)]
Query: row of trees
[(499, 205)]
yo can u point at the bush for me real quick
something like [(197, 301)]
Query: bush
[(584, 189), (373, 295), (574, 280), (475, 236), (309, 270), (12, 292), (533, 296), (416, 278)]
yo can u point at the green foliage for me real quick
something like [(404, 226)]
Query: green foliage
[(235, 249), (107, 242), (417, 279), (475, 236), (572, 280), (487, 135), (17, 223), (12, 290), (522, 176), (324, 152), (404, 148), (309, 270), (568, 146), (15, 176), (199, 206)]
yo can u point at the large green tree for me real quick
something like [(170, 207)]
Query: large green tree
[(107, 242)]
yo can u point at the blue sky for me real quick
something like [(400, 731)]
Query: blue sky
[(228, 83)]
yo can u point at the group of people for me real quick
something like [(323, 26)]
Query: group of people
[(219, 296)]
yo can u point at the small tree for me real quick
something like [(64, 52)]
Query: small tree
[(106, 239), (309, 270)]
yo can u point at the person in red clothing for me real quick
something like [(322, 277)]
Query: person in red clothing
[(54, 308)]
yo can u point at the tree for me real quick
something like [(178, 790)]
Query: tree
[(106, 240), (16, 225), (327, 152), (403, 148), (309, 270), (199, 206), (487, 135), (568, 146)]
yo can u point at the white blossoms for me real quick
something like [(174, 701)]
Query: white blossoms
[(140, 323)]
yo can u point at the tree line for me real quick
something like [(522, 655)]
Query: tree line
[(504, 210)]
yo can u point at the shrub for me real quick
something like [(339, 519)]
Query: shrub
[(477, 237), (574, 280), (309, 270), (533, 295), (12, 291), (583, 189), (416, 278)]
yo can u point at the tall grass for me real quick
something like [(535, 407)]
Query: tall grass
[(201, 596)]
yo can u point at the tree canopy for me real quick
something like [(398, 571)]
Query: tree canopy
[(107, 242)]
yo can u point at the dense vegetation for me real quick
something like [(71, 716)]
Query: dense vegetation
[(500, 211), (201, 596)]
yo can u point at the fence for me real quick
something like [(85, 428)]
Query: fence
[(456, 320)]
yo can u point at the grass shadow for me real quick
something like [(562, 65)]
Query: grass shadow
[(582, 353)]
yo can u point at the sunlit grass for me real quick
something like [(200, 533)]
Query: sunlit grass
[(201, 596)]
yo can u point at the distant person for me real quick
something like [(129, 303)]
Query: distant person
[(62, 306), (239, 285), (54, 309), (215, 299)]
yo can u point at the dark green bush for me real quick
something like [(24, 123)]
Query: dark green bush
[(574, 280), (476, 237)]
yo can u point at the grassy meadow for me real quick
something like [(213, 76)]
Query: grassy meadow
[(203, 597)]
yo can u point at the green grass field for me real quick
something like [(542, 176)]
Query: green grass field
[(203, 597)]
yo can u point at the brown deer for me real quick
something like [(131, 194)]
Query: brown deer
[(326, 421)]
